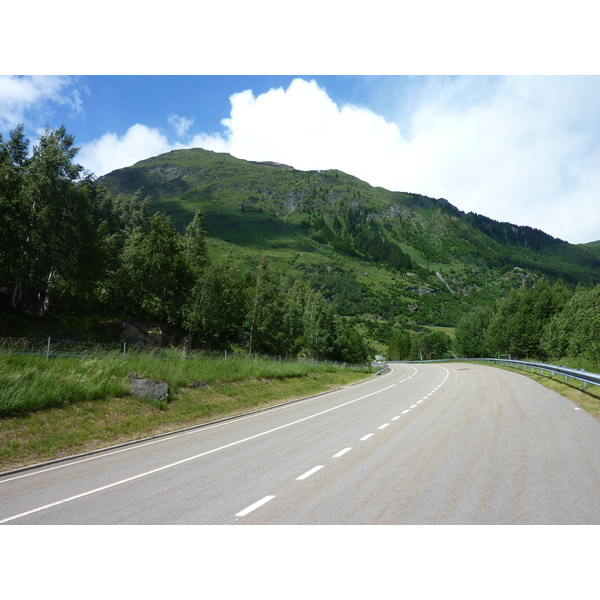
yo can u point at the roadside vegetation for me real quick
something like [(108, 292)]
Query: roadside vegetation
[(544, 322), (62, 406)]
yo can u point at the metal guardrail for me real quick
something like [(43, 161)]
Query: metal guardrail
[(579, 374), (386, 368)]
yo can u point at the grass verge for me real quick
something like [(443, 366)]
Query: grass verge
[(86, 415)]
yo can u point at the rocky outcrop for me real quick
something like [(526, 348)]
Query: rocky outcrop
[(144, 337), (144, 387)]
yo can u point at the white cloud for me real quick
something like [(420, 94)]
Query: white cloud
[(523, 150), (139, 142), (180, 124), (19, 96), (111, 151), (519, 149)]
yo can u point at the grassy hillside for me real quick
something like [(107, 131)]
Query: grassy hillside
[(376, 254)]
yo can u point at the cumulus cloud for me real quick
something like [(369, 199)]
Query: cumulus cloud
[(518, 149), (111, 151), (22, 96), (180, 124), (514, 149)]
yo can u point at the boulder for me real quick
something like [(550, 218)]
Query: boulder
[(144, 387)]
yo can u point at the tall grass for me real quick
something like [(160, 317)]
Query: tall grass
[(30, 383)]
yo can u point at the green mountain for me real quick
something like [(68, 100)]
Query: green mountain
[(592, 247), (373, 252)]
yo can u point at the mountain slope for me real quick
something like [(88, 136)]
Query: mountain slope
[(372, 251)]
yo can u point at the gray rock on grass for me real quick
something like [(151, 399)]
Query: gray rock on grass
[(144, 387)]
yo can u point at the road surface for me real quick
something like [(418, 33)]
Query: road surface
[(424, 444)]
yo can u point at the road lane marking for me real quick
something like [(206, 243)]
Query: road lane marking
[(341, 452), (383, 426), (254, 506), (185, 460), (362, 439), (309, 473), (191, 431), (394, 418), (405, 411), (419, 401)]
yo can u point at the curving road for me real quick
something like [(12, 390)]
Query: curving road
[(424, 444)]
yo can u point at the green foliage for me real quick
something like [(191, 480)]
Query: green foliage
[(264, 312), (53, 250), (70, 244), (350, 346), (214, 313), (470, 333), (575, 331), (519, 319), (400, 346), (430, 346), (155, 276)]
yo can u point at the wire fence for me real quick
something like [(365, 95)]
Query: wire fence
[(53, 348)]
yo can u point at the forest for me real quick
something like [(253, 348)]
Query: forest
[(69, 247), (546, 321)]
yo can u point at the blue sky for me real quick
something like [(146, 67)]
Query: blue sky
[(519, 149), (464, 121)]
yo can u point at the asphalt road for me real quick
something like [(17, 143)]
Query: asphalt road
[(424, 444)]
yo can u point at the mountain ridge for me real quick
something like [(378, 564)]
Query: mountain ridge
[(372, 251)]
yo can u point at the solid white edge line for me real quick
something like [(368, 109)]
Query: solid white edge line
[(134, 445), (309, 473), (189, 458), (341, 452), (254, 506)]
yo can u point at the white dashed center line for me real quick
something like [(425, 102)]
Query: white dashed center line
[(362, 439), (309, 473), (383, 426), (341, 452), (254, 506)]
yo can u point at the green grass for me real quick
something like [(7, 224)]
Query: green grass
[(30, 383), (65, 406)]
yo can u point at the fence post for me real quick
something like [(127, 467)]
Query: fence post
[(124, 349), (225, 354), (48, 350), (184, 352)]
